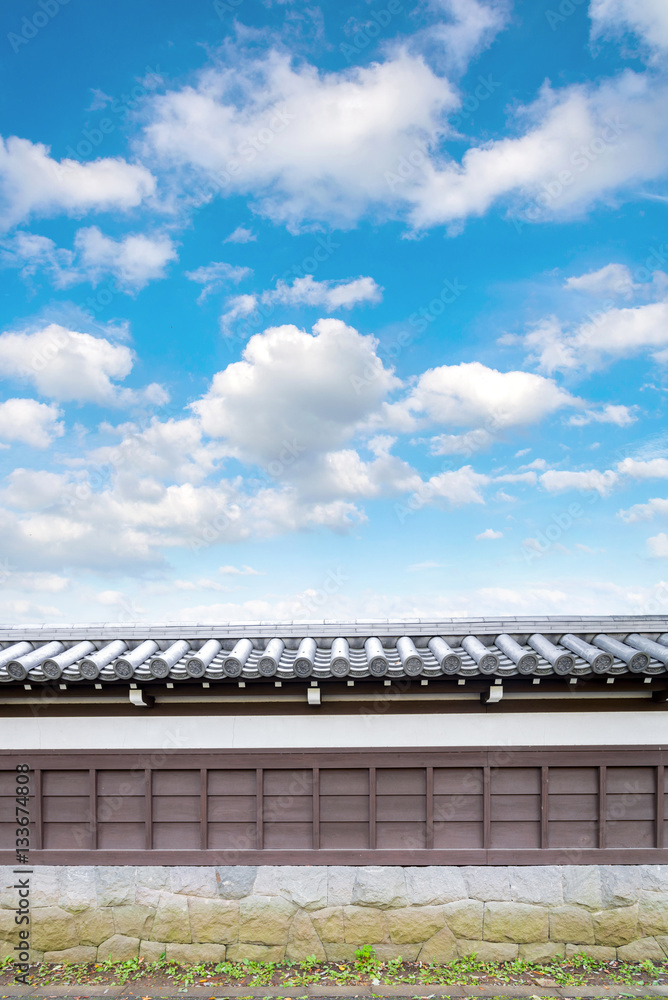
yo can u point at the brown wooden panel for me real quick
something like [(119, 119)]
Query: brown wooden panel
[(125, 783), (344, 781), (400, 807), (121, 836), (65, 782), (9, 784), (114, 809), (344, 808), (630, 806), (344, 835), (66, 836), (573, 807), (515, 807), (232, 808), (290, 782), (401, 835), (286, 808), (573, 781), (8, 808), (232, 782), (65, 808), (8, 837), (457, 834), (458, 780), (630, 833), (175, 836), (175, 782), (176, 808), (631, 780), (515, 835), (288, 835), (232, 836), (401, 780), (457, 808), (574, 833), (515, 780)]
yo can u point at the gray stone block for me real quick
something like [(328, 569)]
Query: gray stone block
[(654, 877), (582, 885), (194, 881), (487, 883), (340, 882), (380, 886), (115, 886), (620, 885), (540, 884), (77, 888), (235, 882), (427, 886)]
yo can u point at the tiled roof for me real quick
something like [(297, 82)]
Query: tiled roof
[(486, 647)]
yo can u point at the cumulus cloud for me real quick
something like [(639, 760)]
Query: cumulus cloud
[(655, 468), (460, 486), (66, 365), (488, 533), (296, 394), (471, 394), (461, 444), (216, 275), (331, 295), (657, 546), (133, 260), (308, 144), (645, 511), (462, 29), (555, 481), (621, 416), (614, 280), (648, 19), (241, 235), (608, 336), (575, 146), (26, 421), (239, 571), (34, 184)]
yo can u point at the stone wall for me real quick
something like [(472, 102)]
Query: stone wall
[(435, 914)]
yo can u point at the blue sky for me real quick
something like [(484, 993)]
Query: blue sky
[(333, 310)]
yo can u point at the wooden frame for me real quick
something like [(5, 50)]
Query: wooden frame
[(532, 806)]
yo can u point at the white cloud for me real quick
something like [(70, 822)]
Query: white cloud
[(470, 27), (646, 18), (420, 567), (241, 235), (655, 468), (31, 183), (461, 444), (558, 482), (608, 336), (517, 477), (216, 275), (66, 365), (538, 463), (614, 280), (331, 295), (458, 487), (657, 546), (308, 144), (488, 533), (28, 422), (576, 146), (470, 394), (621, 416), (134, 260), (645, 511), (239, 571), (296, 394)]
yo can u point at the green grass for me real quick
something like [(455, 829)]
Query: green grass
[(578, 971)]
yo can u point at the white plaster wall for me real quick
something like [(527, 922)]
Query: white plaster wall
[(319, 731)]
